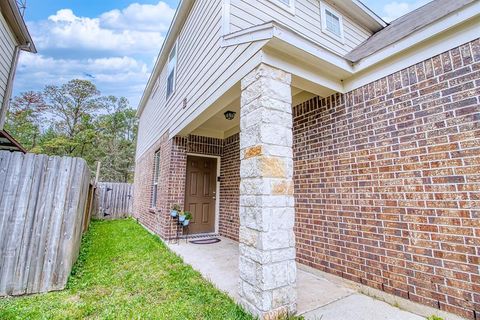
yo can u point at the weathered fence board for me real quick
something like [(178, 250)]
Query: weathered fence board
[(42, 207), (113, 200)]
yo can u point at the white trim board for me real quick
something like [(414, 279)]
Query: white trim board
[(451, 39), (226, 17)]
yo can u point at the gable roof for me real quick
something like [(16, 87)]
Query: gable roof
[(405, 25)]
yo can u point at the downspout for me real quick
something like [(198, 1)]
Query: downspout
[(9, 88)]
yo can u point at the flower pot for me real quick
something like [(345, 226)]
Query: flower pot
[(173, 213), (181, 218), (186, 222)]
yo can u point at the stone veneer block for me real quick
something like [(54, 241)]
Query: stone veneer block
[(267, 214)]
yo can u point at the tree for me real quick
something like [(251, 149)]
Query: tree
[(24, 118), (117, 129), (75, 120), (73, 105)]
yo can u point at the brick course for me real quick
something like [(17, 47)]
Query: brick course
[(171, 189), (229, 223), (387, 182)]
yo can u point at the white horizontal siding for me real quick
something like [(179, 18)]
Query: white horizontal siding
[(201, 66), (7, 50), (306, 21)]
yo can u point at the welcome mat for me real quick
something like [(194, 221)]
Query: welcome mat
[(205, 241)]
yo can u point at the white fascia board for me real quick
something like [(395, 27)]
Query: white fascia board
[(456, 18), (272, 30), (303, 71), (428, 49), (255, 33), (372, 15)]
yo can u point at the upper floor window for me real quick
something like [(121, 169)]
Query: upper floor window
[(288, 5), (332, 22), (171, 70)]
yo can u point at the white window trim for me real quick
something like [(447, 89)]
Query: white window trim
[(323, 18), (290, 8), (226, 17), (155, 180), (175, 45)]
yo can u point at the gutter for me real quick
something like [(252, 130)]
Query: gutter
[(26, 39), (9, 88)]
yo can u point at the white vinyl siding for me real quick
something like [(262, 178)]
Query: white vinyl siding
[(306, 21), (288, 5), (7, 51), (202, 67)]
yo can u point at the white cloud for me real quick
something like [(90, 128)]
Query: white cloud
[(114, 50), (144, 17), (121, 76), (135, 29), (393, 10)]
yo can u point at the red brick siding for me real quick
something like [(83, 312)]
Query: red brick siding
[(143, 185), (387, 182), (205, 145), (171, 188), (229, 223)]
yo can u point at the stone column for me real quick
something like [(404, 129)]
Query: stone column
[(267, 242)]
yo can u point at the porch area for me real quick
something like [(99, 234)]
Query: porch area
[(318, 297)]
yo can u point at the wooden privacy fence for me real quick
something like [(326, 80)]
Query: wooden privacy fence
[(43, 201), (113, 200)]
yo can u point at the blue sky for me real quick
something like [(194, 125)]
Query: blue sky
[(113, 43)]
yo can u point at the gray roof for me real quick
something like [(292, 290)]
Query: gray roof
[(405, 25)]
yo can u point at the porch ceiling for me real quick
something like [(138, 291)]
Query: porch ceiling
[(217, 126)]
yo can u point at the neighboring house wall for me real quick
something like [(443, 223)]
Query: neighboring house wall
[(306, 20), (387, 182), (7, 53)]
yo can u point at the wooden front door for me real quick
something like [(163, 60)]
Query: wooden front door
[(200, 192)]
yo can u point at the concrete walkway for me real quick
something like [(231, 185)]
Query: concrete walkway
[(318, 297)]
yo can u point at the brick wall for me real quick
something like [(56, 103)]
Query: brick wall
[(387, 183), (230, 188), (143, 186), (171, 188)]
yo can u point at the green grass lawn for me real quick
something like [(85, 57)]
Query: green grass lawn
[(124, 272)]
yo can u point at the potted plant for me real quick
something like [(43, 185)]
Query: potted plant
[(175, 210), (188, 217), (181, 216)]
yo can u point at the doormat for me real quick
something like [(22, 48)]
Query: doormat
[(205, 241)]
